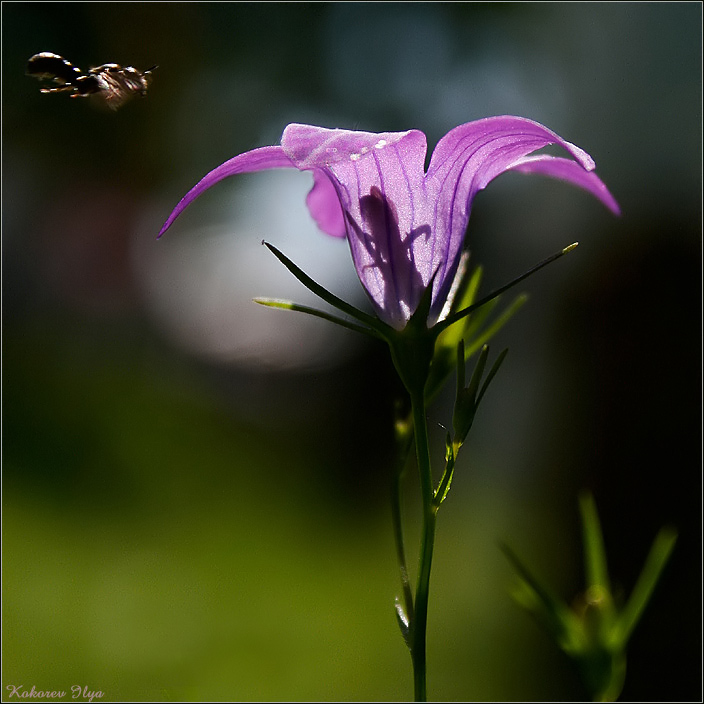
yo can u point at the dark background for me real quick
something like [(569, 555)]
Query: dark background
[(196, 488)]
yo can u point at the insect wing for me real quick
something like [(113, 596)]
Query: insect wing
[(46, 65), (105, 67)]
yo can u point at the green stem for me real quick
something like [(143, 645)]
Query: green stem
[(419, 624)]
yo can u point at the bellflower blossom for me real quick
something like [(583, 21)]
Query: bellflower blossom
[(406, 226)]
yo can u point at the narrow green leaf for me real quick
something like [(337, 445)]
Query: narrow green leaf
[(476, 377), (556, 616), (500, 321), (491, 374), (446, 479), (654, 565), (470, 293), (474, 323), (444, 358), (460, 366), (595, 567), (465, 401), (467, 329)]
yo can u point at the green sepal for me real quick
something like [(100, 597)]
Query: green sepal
[(471, 326), (289, 305), (446, 345), (476, 343), (471, 329), (412, 352), (419, 319), (455, 317), (368, 320), (452, 335)]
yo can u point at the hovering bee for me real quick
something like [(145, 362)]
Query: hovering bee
[(113, 83)]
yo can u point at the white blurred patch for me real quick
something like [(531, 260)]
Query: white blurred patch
[(199, 279)]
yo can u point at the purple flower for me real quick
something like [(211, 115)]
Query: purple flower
[(406, 226)]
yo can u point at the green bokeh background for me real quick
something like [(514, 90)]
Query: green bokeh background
[(177, 527)]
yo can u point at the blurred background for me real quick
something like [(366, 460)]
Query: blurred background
[(195, 488)]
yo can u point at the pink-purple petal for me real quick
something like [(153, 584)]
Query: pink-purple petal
[(324, 205), (406, 227), (255, 160), (521, 130), (571, 171), (312, 147), (379, 182), (465, 160)]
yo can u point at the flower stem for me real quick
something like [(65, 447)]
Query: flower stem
[(419, 624)]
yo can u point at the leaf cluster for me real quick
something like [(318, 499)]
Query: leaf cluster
[(596, 631)]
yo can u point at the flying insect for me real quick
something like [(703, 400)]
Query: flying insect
[(112, 83)]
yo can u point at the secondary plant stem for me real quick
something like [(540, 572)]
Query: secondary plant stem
[(419, 623), (403, 447)]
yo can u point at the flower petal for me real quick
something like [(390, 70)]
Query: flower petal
[(379, 182), (324, 205), (568, 170), (254, 160), (465, 160)]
